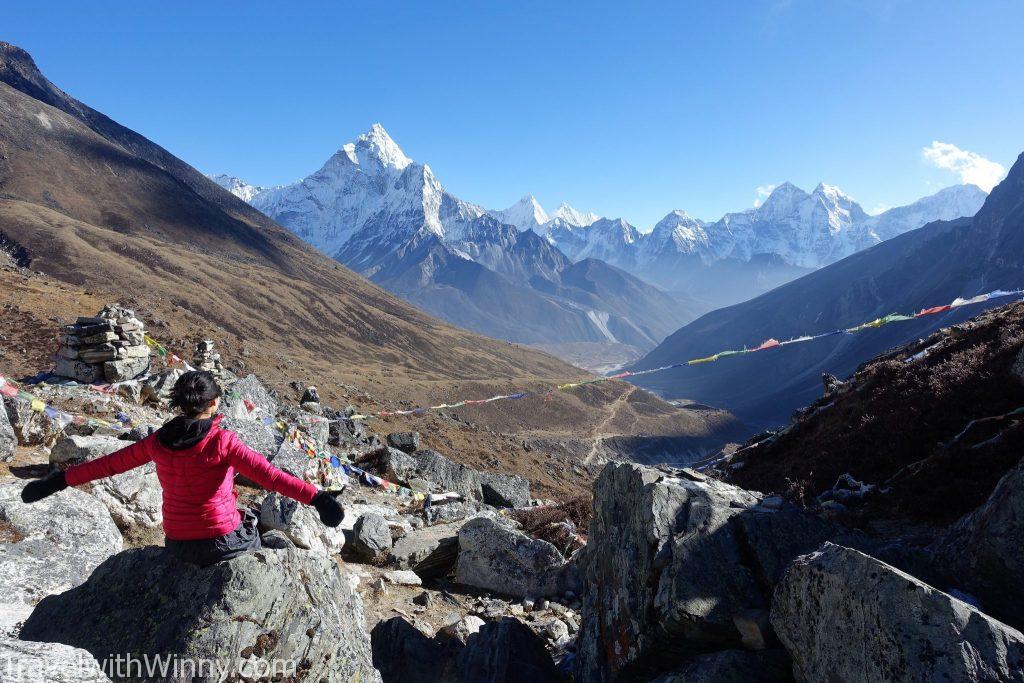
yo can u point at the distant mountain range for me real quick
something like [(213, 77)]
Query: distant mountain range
[(389, 218), (567, 277), (922, 268)]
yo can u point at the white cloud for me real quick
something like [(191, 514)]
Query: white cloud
[(763, 192), (972, 168), (879, 208)]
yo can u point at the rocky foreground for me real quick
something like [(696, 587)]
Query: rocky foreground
[(454, 574)]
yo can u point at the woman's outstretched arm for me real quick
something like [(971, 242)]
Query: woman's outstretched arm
[(135, 455)]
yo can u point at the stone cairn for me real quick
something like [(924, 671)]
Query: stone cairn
[(109, 347), (206, 358)]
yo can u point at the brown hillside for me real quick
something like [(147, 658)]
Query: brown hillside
[(895, 424)]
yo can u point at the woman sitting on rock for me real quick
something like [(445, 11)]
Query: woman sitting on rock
[(196, 462)]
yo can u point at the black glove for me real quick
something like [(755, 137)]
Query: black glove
[(41, 488), (331, 512)]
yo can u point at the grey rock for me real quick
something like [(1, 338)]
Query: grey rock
[(276, 540), (125, 369), (262, 438), (430, 552), (403, 577), (77, 449), (399, 466), (401, 652), (460, 627), (157, 389), (250, 388), (286, 605), (371, 537), (497, 558), (30, 428), (505, 490), (506, 651), (131, 391), (59, 541), (86, 373), (454, 511), (448, 475), (732, 666), (139, 432), (404, 441), (984, 551), (8, 439), (834, 602), (301, 524), (133, 498), (26, 662), (686, 563)]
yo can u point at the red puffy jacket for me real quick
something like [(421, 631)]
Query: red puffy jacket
[(197, 482)]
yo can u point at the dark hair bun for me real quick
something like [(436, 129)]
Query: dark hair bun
[(194, 391)]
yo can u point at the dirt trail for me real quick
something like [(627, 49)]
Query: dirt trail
[(599, 434)]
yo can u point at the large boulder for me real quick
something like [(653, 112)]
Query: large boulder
[(430, 552), (262, 438), (371, 537), (505, 490), (289, 607), (446, 475), (248, 398), (51, 545), (846, 616), (403, 654), (133, 498), (984, 551), (8, 439), (506, 651), (686, 565), (404, 441), (497, 558), (71, 450), (26, 662), (301, 524)]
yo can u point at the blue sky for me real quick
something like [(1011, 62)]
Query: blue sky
[(626, 109)]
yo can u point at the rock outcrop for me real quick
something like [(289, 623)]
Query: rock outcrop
[(54, 544), (133, 498), (301, 524), (984, 551), (686, 566), (506, 650), (75, 449), (845, 616), (288, 608), (248, 398), (505, 490), (371, 537), (8, 439), (502, 651), (31, 428), (497, 558), (26, 662)]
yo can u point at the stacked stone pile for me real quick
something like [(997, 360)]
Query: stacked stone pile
[(108, 347), (207, 358)]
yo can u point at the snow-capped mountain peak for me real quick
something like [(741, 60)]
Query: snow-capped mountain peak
[(573, 216), (526, 214), (236, 186)]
